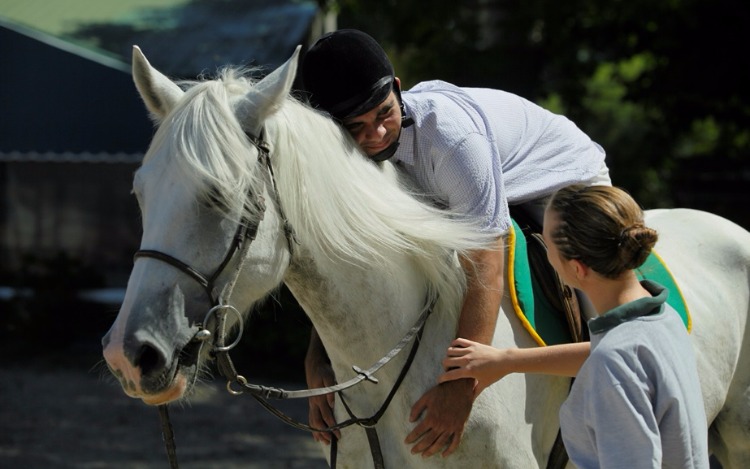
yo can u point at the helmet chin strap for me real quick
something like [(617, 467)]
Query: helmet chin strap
[(385, 154), (405, 122)]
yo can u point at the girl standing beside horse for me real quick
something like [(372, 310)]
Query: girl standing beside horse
[(636, 401)]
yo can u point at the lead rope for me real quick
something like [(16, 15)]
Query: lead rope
[(168, 436), (260, 393)]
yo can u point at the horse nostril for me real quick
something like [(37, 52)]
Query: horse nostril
[(149, 360)]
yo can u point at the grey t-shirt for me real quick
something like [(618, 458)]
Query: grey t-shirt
[(636, 402)]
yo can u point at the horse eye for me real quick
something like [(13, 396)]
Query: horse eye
[(214, 200)]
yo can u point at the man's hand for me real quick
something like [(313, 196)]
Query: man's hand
[(319, 374), (444, 410), (321, 407)]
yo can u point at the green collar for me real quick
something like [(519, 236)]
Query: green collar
[(632, 310)]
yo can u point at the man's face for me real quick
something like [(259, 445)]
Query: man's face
[(377, 129)]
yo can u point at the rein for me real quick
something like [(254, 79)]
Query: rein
[(262, 393), (236, 383)]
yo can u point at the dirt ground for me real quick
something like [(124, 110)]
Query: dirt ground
[(76, 416)]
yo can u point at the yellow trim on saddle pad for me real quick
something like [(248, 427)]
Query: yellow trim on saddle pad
[(656, 269), (520, 267)]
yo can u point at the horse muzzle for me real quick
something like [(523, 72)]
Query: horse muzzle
[(150, 376), (156, 361)]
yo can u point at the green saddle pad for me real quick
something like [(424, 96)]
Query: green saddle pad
[(546, 325)]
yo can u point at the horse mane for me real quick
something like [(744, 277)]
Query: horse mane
[(207, 143), (341, 205)]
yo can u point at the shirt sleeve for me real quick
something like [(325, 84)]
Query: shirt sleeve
[(470, 179)]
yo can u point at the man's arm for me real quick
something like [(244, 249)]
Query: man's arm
[(484, 293), (446, 407)]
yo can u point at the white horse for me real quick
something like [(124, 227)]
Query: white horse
[(364, 260)]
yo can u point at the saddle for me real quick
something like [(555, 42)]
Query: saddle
[(555, 295)]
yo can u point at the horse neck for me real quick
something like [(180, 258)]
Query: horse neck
[(359, 312)]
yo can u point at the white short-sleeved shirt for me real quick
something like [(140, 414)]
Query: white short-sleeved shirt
[(478, 150)]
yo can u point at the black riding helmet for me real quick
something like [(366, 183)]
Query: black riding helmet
[(347, 73)]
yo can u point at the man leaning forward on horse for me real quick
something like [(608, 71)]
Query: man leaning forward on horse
[(473, 151)]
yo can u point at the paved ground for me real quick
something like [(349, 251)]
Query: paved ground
[(73, 416)]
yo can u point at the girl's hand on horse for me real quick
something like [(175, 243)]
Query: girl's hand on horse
[(469, 359)]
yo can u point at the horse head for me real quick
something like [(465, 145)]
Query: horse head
[(214, 237)]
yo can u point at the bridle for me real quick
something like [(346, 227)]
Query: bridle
[(244, 236), (237, 384)]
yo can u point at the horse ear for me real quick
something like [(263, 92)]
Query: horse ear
[(159, 93), (269, 94)]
